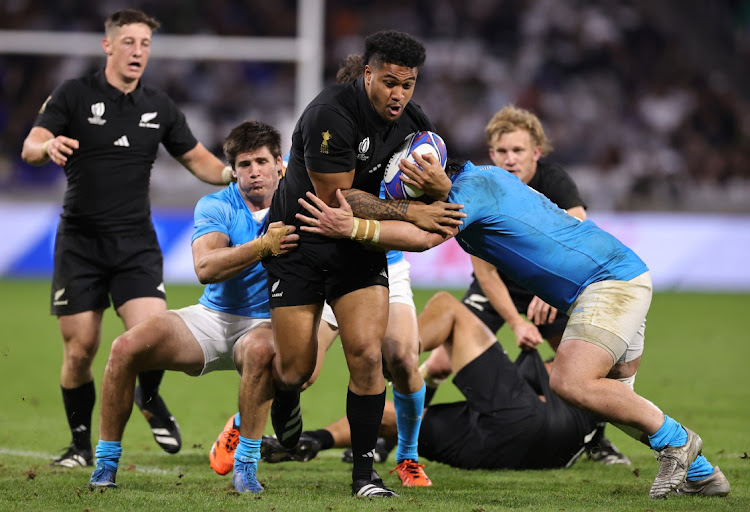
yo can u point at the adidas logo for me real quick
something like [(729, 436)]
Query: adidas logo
[(123, 142)]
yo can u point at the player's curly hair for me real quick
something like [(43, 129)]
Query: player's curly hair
[(128, 17), (250, 136), (393, 47), (510, 119), (351, 68)]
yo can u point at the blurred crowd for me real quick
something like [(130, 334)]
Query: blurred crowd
[(646, 103)]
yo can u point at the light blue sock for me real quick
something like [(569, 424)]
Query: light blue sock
[(670, 433), (699, 469), (108, 453), (248, 450), (237, 420), (409, 410)]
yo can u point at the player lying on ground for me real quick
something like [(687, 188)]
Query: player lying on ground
[(229, 329), (572, 265)]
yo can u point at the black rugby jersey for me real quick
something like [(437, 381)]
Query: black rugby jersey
[(339, 131), (119, 135)]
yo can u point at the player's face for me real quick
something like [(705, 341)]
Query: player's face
[(390, 88), (257, 174), (128, 49), (515, 152)]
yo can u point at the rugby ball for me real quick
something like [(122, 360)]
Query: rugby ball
[(422, 143)]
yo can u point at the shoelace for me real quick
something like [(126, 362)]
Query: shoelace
[(409, 466), (233, 439)]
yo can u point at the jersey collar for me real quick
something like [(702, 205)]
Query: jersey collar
[(114, 93)]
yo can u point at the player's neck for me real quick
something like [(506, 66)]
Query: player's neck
[(119, 82)]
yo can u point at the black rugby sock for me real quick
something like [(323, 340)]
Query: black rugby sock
[(322, 436), (364, 412), (150, 382), (79, 405)]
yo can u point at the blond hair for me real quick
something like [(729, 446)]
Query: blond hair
[(510, 119)]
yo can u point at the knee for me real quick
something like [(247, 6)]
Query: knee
[(292, 372), (123, 351), (567, 388), (402, 361)]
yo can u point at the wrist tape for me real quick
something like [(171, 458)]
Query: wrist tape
[(365, 230)]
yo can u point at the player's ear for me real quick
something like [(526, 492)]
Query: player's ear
[(106, 46)]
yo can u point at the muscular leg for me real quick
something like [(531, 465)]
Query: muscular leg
[(296, 343), (401, 351), (253, 355), (161, 342), (362, 316), (81, 334), (579, 376)]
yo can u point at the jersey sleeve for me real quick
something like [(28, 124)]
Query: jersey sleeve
[(211, 215), (55, 113), (327, 136), (178, 139), (560, 188)]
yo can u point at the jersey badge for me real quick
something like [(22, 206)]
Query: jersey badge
[(364, 147), (97, 111), (123, 142), (58, 300), (324, 145), (146, 118)]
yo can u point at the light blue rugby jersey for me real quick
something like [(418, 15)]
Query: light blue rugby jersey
[(539, 245), (246, 293), (391, 256)]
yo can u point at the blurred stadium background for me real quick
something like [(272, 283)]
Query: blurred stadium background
[(646, 104)]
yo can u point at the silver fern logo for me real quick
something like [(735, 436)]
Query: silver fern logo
[(97, 111), (146, 120)]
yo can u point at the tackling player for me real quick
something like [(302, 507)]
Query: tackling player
[(572, 265), (229, 329)]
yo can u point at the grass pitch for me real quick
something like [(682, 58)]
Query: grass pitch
[(695, 368)]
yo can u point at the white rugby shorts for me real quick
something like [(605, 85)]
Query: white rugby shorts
[(217, 333), (612, 315)]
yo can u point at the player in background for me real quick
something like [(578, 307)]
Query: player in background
[(517, 142), (229, 329), (574, 266), (105, 131), (341, 142)]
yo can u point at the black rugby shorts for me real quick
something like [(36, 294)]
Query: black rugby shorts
[(319, 271), (89, 268)]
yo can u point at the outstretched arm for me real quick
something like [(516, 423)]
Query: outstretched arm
[(527, 334), (205, 166), (437, 217), (341, 223)]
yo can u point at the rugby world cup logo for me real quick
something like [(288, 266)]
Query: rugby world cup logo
[(97, 111), (364, 147)]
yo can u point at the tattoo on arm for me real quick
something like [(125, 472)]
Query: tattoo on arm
[(367, 206)]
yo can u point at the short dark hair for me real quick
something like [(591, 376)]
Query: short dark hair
[(128, 17), (251, 136), (393, 47), (454, 166)]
